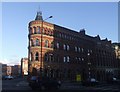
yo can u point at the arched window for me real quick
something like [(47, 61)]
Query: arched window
[(31, 43), (31, 56), (35, 30), (46, 57), (43, 30), (37, 42), (37, 56), (38, 30), (30, 30), (52, 45), (46, 43)]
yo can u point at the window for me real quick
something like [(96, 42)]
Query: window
[(35, 30), (43, 31), (91, 51), (31, 57), (30, 30), (58, 46), (46, 57), (52, 45), (38, 30), (75, 49), (64, 59), (65, 36), (37, 42), (51, 58), (79, 49), (79, 59), (46, 43), (64, 47), (68, 47), (82, 59), (37, 56), (34, 42), (31, 43), (82, 49), (68, 59), (60, 35)]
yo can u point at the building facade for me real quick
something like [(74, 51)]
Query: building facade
[(9, 70), (116, 47), (16, 70), (63, 53), (4, 69), (24, 66)]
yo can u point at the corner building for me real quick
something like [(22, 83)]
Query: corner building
[(59, 52)]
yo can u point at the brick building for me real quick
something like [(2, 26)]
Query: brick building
[(4, 69), (24, 66), (16, 70), (64, 53), (9, 70), (116, 47)]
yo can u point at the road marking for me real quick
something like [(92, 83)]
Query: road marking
[(22, 83)]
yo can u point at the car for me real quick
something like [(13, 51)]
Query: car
[(44, 83), (114, 80), (9, 77), (90, 82)]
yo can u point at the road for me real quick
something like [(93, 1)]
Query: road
[(15, 84), (21, 85)]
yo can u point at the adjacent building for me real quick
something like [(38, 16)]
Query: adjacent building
[(24, 66), (63, 53), (16, 70), (116, 47), (9, 70), (4, 69)]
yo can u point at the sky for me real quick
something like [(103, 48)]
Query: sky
[(97, 18)]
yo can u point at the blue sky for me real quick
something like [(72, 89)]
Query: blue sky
[(96, 17)]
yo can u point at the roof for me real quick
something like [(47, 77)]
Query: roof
[(39, 16)]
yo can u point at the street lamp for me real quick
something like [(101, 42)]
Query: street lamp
[(41, 41)]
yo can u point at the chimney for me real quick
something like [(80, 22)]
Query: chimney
[(82, 31)]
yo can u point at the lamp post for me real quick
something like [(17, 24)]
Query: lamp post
[(41, 42)]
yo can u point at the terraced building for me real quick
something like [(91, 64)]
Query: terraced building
[(63, 53)]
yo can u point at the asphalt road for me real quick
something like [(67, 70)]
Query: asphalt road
[(15, 84), (21, 85)]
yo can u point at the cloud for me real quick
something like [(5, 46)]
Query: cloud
[(11, 61)]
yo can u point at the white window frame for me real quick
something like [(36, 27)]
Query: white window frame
[(68, 47), (58, 45), (68, 59)]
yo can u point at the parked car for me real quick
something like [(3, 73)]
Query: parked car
[(44, 83), (90, 82), (114, 81), (9, 77)]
